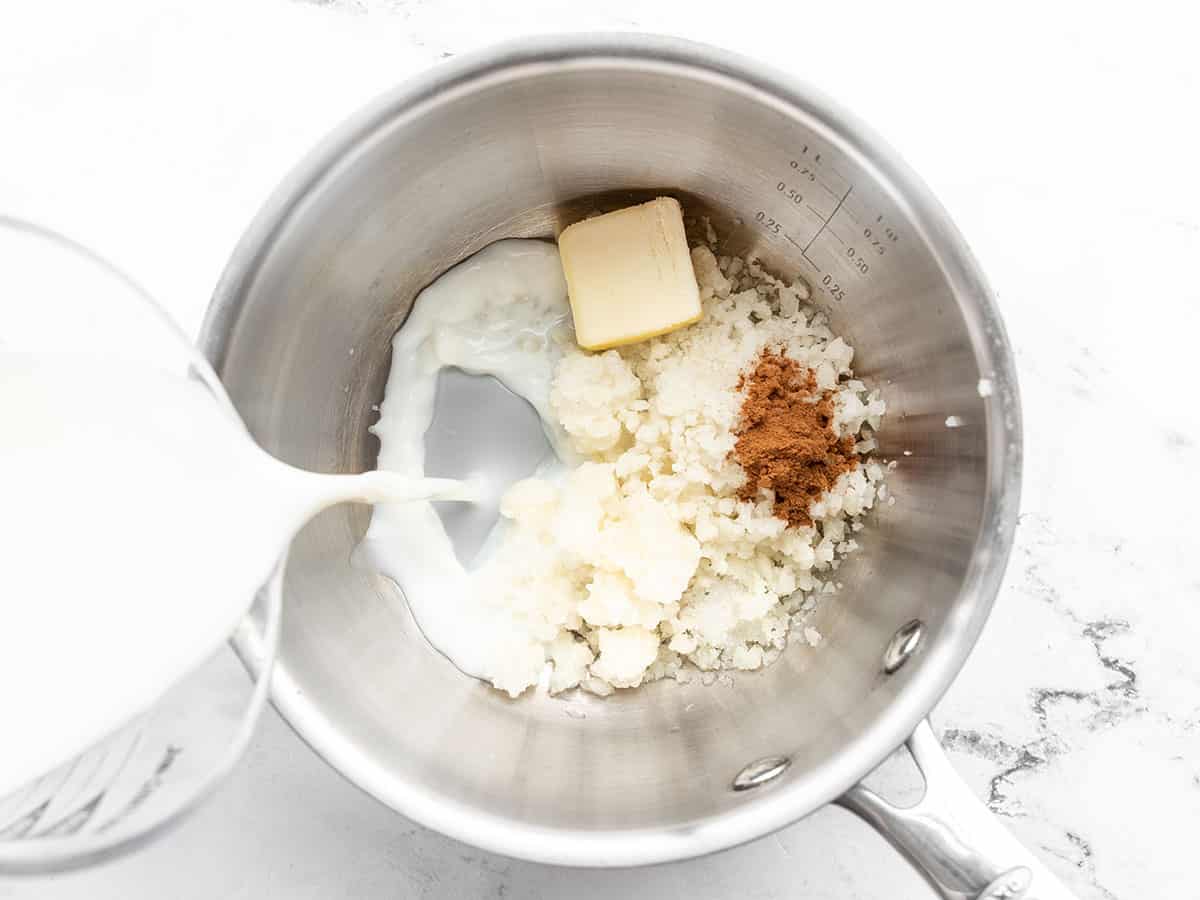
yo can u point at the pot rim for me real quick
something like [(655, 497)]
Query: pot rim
[(791, 799)]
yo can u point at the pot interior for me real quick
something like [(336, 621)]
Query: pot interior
[(300, 334)]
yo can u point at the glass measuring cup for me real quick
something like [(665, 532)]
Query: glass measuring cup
[(132, 785)]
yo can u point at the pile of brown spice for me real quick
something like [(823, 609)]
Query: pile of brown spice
[(785, 437)]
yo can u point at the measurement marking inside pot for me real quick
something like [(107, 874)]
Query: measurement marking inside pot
[(808, 164), (830, 191), (827, 221), (796, 244)]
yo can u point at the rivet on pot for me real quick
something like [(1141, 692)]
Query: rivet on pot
[(760, 772), (902, 645)]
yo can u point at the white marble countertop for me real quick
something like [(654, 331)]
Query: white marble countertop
[(1064, 145)]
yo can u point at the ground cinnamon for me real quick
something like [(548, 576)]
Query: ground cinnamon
[(785, 437)]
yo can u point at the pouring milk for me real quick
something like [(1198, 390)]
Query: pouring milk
[(137, 519)]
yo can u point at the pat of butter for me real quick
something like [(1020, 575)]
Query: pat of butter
[(629, 275)]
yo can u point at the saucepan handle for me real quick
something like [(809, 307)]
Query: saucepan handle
[(952, 838)]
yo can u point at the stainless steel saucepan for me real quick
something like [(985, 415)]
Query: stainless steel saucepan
[(519, 142)]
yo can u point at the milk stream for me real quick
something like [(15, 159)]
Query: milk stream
[(502, 312), (137, 521)]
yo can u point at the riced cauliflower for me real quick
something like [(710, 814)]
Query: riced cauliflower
[(643, 558)]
